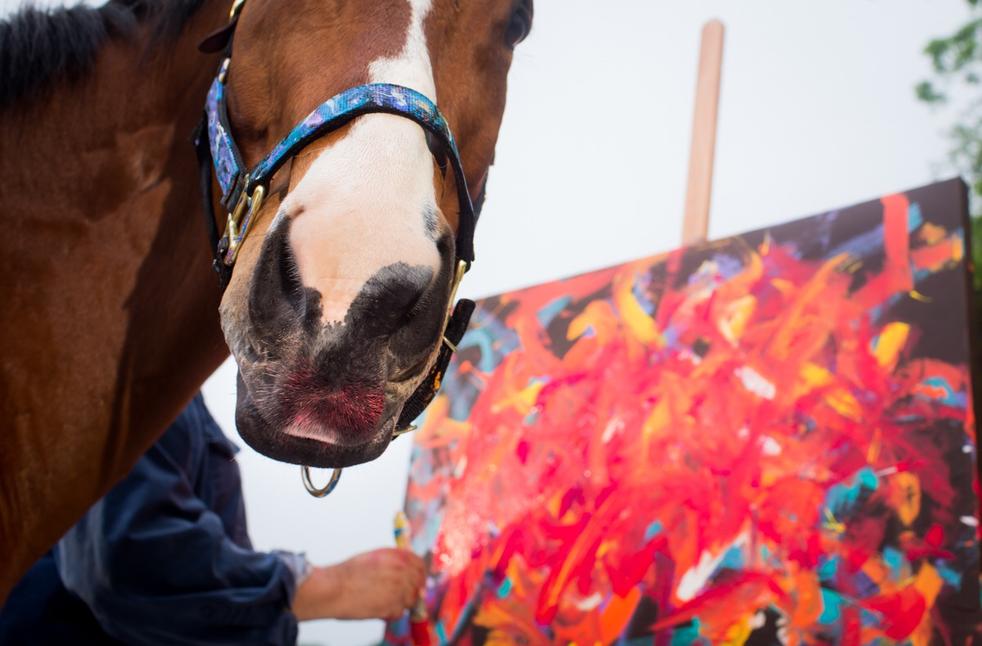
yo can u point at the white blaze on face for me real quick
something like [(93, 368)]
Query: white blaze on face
[(360, 206)]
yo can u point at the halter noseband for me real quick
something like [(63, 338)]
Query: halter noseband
[(243, 191)]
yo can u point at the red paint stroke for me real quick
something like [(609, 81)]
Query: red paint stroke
[(901, 611), (677, 464)]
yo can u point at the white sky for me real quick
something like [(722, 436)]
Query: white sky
[(817, 112)]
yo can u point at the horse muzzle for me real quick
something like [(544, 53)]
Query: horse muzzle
[(330, 393)]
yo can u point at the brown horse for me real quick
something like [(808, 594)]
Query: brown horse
[(110, 312)]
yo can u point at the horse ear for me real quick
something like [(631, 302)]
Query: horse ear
[(218, 40)]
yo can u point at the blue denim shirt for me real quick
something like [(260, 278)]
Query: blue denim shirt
[(165, 557)]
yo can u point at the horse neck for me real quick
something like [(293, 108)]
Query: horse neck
[(119, 120), (109, 304)]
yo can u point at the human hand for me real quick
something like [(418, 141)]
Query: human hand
[(381, 584)]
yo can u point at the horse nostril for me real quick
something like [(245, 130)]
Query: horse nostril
[(289, 275), (412, 301), (277, 299), (407, 307), (391, 300)]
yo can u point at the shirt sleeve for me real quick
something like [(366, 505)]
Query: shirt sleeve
[(156, 566)]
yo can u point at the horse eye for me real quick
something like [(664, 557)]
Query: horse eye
[(520, 23)]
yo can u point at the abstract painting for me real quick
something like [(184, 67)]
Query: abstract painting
[(768, 439)]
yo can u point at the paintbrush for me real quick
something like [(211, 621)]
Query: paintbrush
[(419, 624)]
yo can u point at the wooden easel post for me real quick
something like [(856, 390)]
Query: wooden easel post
[(695, 225)]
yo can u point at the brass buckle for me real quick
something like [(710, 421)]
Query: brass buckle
[(462, 267), (248, 205), (236, 9)]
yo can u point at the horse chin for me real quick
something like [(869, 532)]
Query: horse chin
[(307, 444)]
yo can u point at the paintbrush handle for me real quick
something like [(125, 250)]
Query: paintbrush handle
[(419, 625)]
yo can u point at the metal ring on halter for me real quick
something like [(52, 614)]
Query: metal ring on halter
[(314, 491), (403, 431)]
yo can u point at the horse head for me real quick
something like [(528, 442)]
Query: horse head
[(339, 296)]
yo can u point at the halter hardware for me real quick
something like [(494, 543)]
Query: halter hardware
[(459, 271), (319, 492), (248, 205), (403, 431), (243, 193), (236, 9)]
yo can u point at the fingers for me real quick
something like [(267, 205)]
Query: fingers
[(395, 600), (410, 594), (407, 566), (410, 574), (416, 569), (408, 577), (385, 583)]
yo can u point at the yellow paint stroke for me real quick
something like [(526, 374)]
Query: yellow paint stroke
[(744, 281), (770, 476), (832, 524), (844, 404), (957, 250), (923, 633), (852, 267), (605, 548), (806, 296), (597, 316), (873, 452), (929, 583), (905, 496), (783, 285), (931, 233), (522, 400), (891, 341), (917, 296), (765, 246), (515, 569), (656, 421), (813, 376), (739, 631), (734, 321), (641, 326)]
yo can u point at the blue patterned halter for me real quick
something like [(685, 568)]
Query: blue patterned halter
[(239, 186), (243, 190)]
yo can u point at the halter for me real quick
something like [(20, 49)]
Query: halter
[(243, 191)]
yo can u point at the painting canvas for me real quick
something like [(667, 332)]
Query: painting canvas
[(768, 439)]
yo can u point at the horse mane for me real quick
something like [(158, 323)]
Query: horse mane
[(41, 46)]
